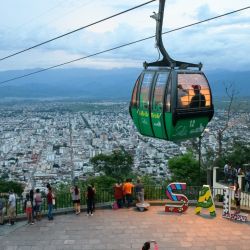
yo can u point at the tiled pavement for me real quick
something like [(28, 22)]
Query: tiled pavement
[(129, 229)]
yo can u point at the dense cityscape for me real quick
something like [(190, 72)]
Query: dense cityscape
[(54, 141)]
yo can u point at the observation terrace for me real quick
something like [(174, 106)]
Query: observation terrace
[(128, 228)]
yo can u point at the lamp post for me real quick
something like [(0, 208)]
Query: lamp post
[(200, 137)]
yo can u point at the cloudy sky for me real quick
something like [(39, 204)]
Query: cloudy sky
[(222, 43)]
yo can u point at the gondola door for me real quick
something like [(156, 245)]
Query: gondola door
[(144, 105), (157, 115)]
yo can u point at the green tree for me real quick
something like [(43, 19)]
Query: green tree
[(239, 155), (6, 186), (185, 168), (118, 165)]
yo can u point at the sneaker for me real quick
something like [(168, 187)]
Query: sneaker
[(87, 214), (9, 224), (91, 214), (32, 223)]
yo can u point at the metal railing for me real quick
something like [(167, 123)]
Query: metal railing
[(106, 196)]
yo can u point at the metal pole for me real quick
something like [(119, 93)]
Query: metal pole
[(200, 160)]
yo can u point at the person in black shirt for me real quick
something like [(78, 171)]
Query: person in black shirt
[(90, 200), (198, 100)]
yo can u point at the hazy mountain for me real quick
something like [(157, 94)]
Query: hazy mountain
[(96, 84)]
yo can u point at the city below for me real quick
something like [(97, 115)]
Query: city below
[(53, 141)]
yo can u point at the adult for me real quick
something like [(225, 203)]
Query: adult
[(31, 194), (38, 204), (90, 200), (77, 200), (94, 190), (237, 197), (139, 191), (247, 178), (50, 203), (198, 100), (226, 173), (12, 207), (73, 198), (127, 190), (118, 194), (1, 210)]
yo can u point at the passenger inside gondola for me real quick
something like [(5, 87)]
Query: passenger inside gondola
[(198, 100)]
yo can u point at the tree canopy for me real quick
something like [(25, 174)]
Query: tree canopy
[(185, 168), (6, 186), (117, 165)]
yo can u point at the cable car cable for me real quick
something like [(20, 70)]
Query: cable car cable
[(121, 46), (76, 30)]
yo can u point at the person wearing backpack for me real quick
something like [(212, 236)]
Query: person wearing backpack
[(38, 203), (28, 209)]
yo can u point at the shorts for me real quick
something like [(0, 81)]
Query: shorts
[(12, 212), (38, 208)]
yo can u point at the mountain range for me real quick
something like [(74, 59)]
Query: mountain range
[(101, 84)]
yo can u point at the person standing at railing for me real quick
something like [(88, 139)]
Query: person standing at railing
[(77, 200), (139, 191), (12, 207), (237, 197), (226, 173), (50, 203), (118, 194), (32, 204), (247, 178), (127, 190), (90, 199), (38, 203), (94, 190), (1, 210), (28, 209)]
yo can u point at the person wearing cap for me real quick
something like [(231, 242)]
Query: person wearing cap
[(198, 100)]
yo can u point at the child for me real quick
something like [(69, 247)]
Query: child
[(28, 209), (146, 245)]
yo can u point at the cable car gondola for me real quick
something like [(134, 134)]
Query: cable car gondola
[(171, 100)]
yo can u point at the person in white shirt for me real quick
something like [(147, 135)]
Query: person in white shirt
[(12, 207)]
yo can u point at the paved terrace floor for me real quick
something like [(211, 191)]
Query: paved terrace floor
[(129, 229)]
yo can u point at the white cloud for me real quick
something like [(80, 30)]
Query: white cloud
[(218, 43)]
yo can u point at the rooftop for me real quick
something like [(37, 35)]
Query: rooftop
[(128, 229)]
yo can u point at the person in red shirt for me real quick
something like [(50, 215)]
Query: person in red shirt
[(128, 190), (50, 203), (118, 194)]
